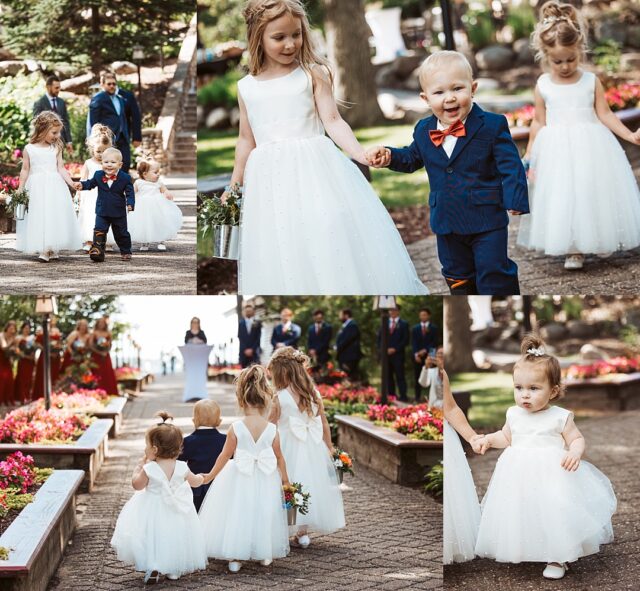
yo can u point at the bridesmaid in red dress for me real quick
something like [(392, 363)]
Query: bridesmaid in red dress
[(7, 348), (26, 349), (77, 346), (100, 345), (55, 341)]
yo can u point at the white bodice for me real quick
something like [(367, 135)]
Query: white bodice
[(42, 160), (567, 104), (92, 167), (282, 108), (300, 424), (537, 429), (147, 188), (175, 491), (251, 455)]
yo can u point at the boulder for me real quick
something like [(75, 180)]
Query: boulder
[(488, 85), (578, 329), (122, 67), (78, 84), (5, 54), (609, 27), (524, 53), (405, 65), (386, 77), (200, 115), (495, 57), (590, 352), (32, 65), (630, 61), (217, 119), (12, 68), (553, 332)]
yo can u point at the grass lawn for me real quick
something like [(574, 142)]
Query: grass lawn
[(216, 151), (491, 396)]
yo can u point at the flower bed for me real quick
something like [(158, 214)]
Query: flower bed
[(417, 422), (349, 394), (128, 373), (34, 424), (616, 365)]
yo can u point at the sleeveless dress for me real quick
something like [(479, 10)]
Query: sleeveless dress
[(50, 224), (24, 375), (242, 514), (535, 510), (311, 224), (461, 506), (103, 370), (87, 213), (309, 463), (6, 379), (584, 195), (155, 218), (158, 528)]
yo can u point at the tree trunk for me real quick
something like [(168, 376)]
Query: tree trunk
[(457, 335), (96, 60), (348, 47)]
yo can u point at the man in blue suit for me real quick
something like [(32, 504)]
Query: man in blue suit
[(249, 334), (398, 340), (286, 334), (424, 341), (347, 346), (475, 176), (115, 199), (118, 110), (319, 339)]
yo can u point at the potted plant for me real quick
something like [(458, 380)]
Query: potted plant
[(223, 220)]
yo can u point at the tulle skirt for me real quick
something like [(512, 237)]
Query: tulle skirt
[(243, 518), (153, 536), (536, 511), (312, 224), (584, 195), (461, 506), (155, 219)]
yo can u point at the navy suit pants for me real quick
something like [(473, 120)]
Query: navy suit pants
[(120, 232)]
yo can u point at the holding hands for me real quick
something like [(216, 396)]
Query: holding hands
[(77, 186), (378, 156), (479, 444)]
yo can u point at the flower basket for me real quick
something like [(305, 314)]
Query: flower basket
[(292, 515), (223, 221), (18, 204), (226, 242), (342, 462), (295, 499)]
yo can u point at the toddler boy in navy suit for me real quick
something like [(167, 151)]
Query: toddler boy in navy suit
[(115, 198), (475, 175)]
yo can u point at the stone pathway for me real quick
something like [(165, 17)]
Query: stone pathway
[(393, 539), (152, 272), (613, 445)]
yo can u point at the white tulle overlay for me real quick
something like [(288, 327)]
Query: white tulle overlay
[(309, 463), (584, 196), (461, 506), (87, 212), (535, 510), (158, 528), (51, 223), (308, 208), (242, 514), (155, 218)]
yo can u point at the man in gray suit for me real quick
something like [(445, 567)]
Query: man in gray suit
[(52, 102)]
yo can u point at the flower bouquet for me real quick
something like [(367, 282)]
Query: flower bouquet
[(102, 344), (17, 203), (223, 220), (295, 499), (343, 463), (27, 346)]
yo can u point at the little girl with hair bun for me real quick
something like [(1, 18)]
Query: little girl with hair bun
[(543, 504), (306, 443), (158, 530)]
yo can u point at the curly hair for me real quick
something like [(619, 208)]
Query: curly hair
[(42, 123), (560, 24), (165, 437), (100, 136), (253, 388), (290, 369)]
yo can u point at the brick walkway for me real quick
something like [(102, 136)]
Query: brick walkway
[(152, 272), (613, 445), (393, 539)]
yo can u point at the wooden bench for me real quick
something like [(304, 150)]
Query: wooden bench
[(38, 537)]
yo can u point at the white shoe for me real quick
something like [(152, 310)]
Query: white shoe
[(44, 257), (266, 562), (304, 541), (162, 246), (144, 247), (574, 261), (555, 572), (234, 566), (173, 577), (86, 247)]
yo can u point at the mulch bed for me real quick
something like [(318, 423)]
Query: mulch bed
[(8, 519)]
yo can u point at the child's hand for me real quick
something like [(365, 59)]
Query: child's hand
[(476, 443), (485, 444), (286, 483), (224, 197), (205, 478), (378, 156), (168, 195), (129, 208), (514, 212), (571, 461), (77, 186)]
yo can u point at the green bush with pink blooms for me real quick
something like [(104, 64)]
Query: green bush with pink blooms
[(417, 422), (615, 365), (19, 478), (34, 424), (346, 393)]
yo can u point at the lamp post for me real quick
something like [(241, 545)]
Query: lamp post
[(384, 304), (46, 305), (447, 25), (138, 56)]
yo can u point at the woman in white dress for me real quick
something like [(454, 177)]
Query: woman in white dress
[(50, 225), (242, 514), (306, 443), (311, 224)]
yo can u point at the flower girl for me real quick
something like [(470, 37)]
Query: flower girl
[(243, 515), (50, 225), (305, 203), (98, 141), (585, 198), (158, 530), (156, 217), (306, 442), (543, 504)]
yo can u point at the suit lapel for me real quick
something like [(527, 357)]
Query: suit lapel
[(437, 153), (473, 123)]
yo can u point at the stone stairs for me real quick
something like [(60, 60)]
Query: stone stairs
[(183, 153)]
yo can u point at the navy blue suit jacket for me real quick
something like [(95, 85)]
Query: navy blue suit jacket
[(426, 341), (399, 338), (101, 110), (321, 341), (250, 340), (201, 450), (132, 114), (471, 191), (112, 201), (290, 339), (348, 343)]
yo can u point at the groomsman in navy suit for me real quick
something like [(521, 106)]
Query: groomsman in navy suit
[(249, 334), (347, 345), (424, 339), (319, 339), (286, 334), (398, 340)]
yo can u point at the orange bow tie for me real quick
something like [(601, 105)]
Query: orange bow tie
[(455, 129)]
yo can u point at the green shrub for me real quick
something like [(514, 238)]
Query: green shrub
[(78, 124), (607, 55), (221, 91), (435, 480), (479, 27), (522, 20), (14, 122)]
